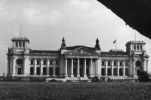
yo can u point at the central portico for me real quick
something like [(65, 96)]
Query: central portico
[(80, 61)]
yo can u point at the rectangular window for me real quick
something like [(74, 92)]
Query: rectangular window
[(16, 44), (114, 63), (38, 62), (45, 62), (121, 63), (141, 47), (109, 63), (31, 62), (103, 63), (134, 47), (51, 62)]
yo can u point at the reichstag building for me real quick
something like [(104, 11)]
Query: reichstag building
[(76, 62)]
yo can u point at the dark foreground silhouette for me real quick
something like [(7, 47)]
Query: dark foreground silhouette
[(136, 13)]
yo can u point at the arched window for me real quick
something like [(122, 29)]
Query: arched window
[(50, 71), (31, 70), (103, 71), (115, 72), (109, 71), (19, 62), (127, 72), (44, 71), (38, 71), (138, 63)]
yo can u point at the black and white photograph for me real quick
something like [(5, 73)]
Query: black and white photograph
[(75, 50)]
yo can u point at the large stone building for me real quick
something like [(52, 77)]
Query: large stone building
[(76, 62)]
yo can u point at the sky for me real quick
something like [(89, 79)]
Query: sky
[(46, 22)]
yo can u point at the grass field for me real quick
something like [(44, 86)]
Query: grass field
[(75, 91)]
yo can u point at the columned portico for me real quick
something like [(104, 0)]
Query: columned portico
[(84, 67)]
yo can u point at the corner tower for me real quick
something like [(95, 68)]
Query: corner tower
[(17, 56), (138, 58)]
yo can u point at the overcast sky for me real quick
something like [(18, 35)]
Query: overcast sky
[(45, 22)]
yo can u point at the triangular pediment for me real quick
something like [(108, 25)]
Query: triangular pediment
[(81, 50)]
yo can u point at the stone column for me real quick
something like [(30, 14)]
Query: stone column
[(97, 68), (112, 68), (78, 68), (124, 64), (91, 68), (66, 62), (41, 67), (117, 68), (35, 66), (72, 67), (85, 75), (105, 68), (48, 63), (54, 68), (14, 66)]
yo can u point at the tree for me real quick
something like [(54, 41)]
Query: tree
[(143, 76)]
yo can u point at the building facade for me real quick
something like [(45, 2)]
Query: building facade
[(76, 61)]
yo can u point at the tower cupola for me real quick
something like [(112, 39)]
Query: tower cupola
[(20, 42)]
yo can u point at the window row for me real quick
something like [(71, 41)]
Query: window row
[(137, 47), (45, 72), (44, 62), (20, 44), (114, 63), (109, 71)]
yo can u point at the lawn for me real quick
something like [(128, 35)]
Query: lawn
[(74, 91)]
